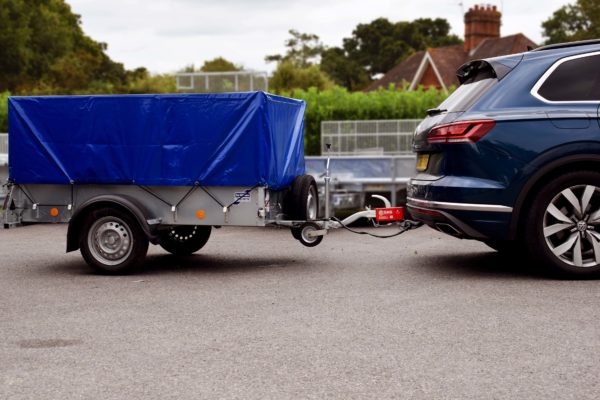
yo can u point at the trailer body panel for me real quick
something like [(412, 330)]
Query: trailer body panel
[(162, 205)]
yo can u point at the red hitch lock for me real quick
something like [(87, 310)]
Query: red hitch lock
[(389, 214)]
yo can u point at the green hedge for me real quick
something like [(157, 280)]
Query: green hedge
[(4, 112), (339, 104)]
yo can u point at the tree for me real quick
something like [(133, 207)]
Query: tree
[(378, 46), (219, 64), (344, 71), (298, 68), (572, 22), (15, 56), (140, 81), (303, 50), (43, 49), (4, 111), (287, 77)]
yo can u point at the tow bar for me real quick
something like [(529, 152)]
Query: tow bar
[(310, 233)]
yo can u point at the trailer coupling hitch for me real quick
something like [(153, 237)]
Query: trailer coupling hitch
[(310, 233)]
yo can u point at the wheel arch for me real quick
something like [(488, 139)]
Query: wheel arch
[(583, 162), (120, 202)]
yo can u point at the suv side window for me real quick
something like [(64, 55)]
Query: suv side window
[(574, 80)]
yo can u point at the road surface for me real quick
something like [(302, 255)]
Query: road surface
[(255, 315)]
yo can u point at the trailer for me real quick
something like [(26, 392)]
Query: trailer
[(126, 171)]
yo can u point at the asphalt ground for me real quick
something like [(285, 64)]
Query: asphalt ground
[(255, 315)]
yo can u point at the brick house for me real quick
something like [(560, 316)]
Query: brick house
[(436, 67)]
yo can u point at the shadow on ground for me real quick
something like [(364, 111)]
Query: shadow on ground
[(159, 264), (483, 265)]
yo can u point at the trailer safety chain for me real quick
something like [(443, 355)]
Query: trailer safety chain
[(405, 226)]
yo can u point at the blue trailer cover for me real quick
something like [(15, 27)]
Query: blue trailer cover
[(231, 139)]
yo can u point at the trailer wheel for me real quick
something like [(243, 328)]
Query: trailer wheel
[(113, 241), (296, 233), (305, 239), (304, 198), (184, 240)]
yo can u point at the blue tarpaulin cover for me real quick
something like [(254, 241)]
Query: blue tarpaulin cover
[(230, 139)]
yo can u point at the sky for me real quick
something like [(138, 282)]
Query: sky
[(166, 35)]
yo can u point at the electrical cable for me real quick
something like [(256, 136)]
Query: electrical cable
[(406, 226)]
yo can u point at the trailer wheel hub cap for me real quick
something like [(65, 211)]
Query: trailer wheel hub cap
[(110, 240)]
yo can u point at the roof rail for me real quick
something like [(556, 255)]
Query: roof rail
[(568, 44)]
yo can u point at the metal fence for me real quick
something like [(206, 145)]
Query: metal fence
[(364, 174), (3, 164), (374, 137), (3, 149), (220, 82)]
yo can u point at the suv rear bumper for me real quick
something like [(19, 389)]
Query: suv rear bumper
[(460, 219)]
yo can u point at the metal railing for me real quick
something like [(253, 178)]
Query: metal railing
[(372, 137), (365, 173), (220, 82), (3, 164), (3, 143), (3, 149)]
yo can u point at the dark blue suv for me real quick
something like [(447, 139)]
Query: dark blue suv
[(512, 157)]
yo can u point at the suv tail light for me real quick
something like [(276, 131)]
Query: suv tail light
[(460, 132)]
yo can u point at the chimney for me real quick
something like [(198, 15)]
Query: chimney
[(481, 22)]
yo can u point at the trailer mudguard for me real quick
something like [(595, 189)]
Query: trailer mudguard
[(122, 202)]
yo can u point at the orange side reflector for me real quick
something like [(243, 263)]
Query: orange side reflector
[(200, 214), (54, 212)]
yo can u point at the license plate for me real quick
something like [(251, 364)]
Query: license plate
[(422, 162)]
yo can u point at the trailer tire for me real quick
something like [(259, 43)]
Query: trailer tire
[(184, 240), (304, 239), (112, 241), (304, 198), (296, 233)]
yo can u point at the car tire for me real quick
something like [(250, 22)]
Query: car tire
[(184, 240), (562, 229), (112, 241)]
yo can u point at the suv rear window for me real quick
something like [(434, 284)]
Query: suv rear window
[(577, 79), (471, 90)]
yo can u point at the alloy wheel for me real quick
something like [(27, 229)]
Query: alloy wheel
[(572, 226)]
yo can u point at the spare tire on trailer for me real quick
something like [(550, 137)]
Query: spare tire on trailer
[(303, 199), (183, 240)]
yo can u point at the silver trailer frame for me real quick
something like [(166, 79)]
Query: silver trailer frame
[(157, 206)]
